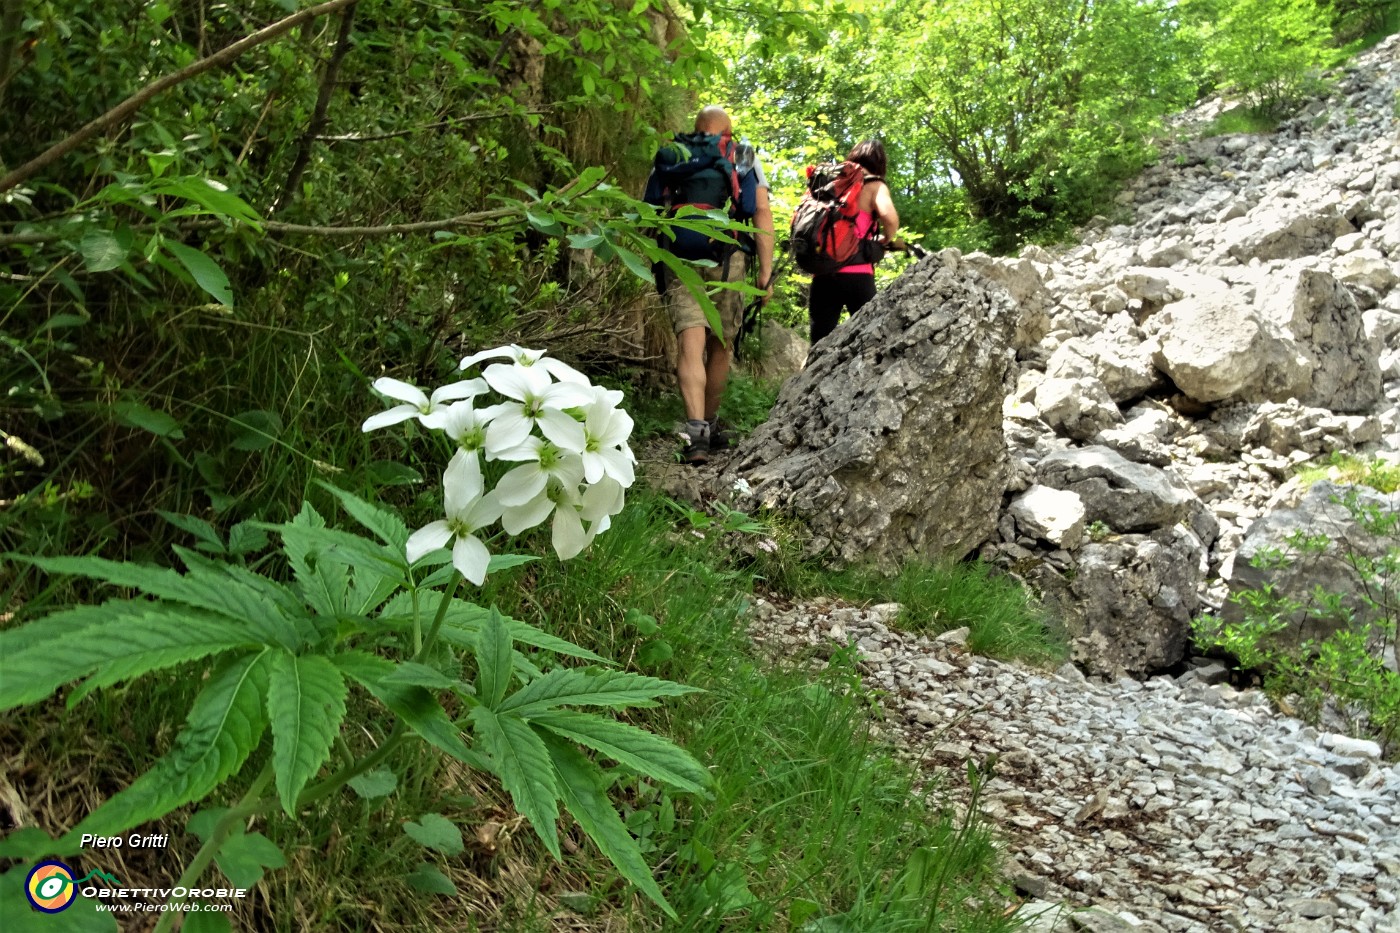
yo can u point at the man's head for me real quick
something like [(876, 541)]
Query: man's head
[(712, 120)]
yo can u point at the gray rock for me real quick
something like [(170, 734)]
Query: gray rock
[(1125, 496), (1052, 515)]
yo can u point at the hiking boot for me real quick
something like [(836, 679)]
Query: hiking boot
[(719, 435), (697, 443)]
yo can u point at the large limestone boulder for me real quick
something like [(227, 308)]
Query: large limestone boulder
[(1022, 280), (1285, 230), (1118, 360), (1329, 331), (1125, 496), (1219, 347), (1127, 606), (889, 444), (1078, 408)]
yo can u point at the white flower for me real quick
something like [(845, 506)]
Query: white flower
[(605, 450), (465, 425), (527, 358), (468, 512), (596, 505), (543, 461), (426, 409), (534, 400)]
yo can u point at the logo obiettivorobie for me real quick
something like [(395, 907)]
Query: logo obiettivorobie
[(51, 887)]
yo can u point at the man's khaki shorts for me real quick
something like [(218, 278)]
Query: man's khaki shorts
[(684, 308)]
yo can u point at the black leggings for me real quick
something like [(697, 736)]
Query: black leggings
[(831, 293)]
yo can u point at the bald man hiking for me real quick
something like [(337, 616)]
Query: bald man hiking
[(709, 169)]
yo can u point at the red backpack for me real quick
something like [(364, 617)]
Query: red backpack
[(824, 235)]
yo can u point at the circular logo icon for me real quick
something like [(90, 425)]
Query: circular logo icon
[(50, 887)]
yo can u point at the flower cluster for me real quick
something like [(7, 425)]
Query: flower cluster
[(567, 437)]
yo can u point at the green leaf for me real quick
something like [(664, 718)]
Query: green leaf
[(223, 727), (427, 879), (255, 430), (243, 856), (372, 784), (412, 673), (522, 764), (385, 524), (250, 600), (390, 473), (136, 415), (31, 843), (655, 652), (493, 660), (131, 640), (572, 687), (206, 921), (16, 916), (584, 240), (245, 538), (435, 831), (306, 704), (580, 783), (419, 710), (213, 196), (648, 754), (634, 262), (208, 538), (101, 251), (205, 271), (464, 620)]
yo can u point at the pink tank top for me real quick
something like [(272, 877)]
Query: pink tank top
[(864, 224)]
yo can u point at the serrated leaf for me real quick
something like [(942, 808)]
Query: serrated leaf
[(372, 784), (464, 620), (573, 687), (419, 710), (243, 856), (306, 705), (204, 823), (427, 879), (391, 473), (413, 674), (198, 527), (522, 764), (255, 430), (222, 729), (647, 753), (130, 641), (136, 415), (31, 843), (250, 600), (580, 783), (493, 660), (101, 251), (435, 831), (385, 524), (245, 538)]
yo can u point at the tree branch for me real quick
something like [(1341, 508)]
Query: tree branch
[(135, 102), (318, 115), (441, 124)]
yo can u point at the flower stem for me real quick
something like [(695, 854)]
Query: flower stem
[(342, 777), (448, 592), (252, 801)]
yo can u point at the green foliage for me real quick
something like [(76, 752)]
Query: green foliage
[(1345, 669), (1348, 469), (1240, 120), (1267, 51), (282, 655)]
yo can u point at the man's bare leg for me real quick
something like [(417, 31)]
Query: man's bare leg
[(691, 371)]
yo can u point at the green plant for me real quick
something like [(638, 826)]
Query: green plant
[(281, 658), (1098, 531), (1346, 667), (1349, 469)]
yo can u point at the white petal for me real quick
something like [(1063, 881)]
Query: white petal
[(515, 519), (428, 538), (619, 429), (569, 538), (609, 397), (461, 483), (529, 449), (618, 465), (564, 431), (484, 511), (496, 354), (593, 467), (392, 416), (467, 388), (602, 499), (515, 381), (563, 395), (524, 355), (568, 470), (470, 556), (563, 371), (397, 388), (521, 484), (507, 430)]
